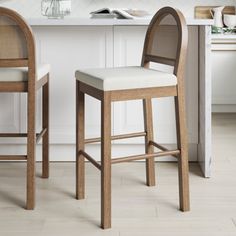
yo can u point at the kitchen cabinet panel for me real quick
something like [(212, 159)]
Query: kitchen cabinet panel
[(68, 49), (205, 145), (223, 69)]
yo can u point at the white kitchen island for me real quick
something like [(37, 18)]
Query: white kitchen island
[(74, 43)]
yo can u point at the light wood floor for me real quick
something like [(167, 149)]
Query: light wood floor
[(137, 210)]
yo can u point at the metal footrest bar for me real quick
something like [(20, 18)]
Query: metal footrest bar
[(13, 158), (117, 137), (162, 148), (89, 158), (144, 156)]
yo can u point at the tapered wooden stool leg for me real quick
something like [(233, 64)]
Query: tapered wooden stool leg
[(45, 166), (183, 158), (148, 126), (31, 143), (106, 161), (80, 162)]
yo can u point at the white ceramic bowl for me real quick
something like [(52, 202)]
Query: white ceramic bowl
[(230, 21)]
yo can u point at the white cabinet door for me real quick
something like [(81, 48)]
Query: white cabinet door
[(128, 116), (223, 69), (68, 49)]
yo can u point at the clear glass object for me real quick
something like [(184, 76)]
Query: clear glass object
[(55, 8)]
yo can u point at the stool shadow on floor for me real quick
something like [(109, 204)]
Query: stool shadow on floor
[(10, 198)]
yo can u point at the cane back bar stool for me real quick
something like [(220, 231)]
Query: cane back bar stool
[(129, 83), (19, 74)]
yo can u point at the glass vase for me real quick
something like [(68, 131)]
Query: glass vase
[(55, 9)]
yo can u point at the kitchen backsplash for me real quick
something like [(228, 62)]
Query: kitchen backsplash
[(81, 8)]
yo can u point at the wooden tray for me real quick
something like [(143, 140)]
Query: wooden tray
[(204, 12)]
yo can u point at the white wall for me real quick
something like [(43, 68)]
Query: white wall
[(81, 8)]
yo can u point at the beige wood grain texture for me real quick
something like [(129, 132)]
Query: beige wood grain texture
[(204, 12), (89, 158), (149, 149), (13, 62), (162, 148), (12, 42), (80, 132), (106, 97), (13, 87), (45, 136), (22, 135), (40, 135), (106, 161), (12, 158), (145, 156), (144, 93), (182, 144), (17, 48), (31, 141), (116, 137), (41, 82)]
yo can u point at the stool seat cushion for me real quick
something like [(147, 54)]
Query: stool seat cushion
[(122, 78), (20, 74)]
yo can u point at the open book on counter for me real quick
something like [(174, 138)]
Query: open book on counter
[(119, 13)]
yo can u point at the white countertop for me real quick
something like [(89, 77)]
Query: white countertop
[(69, 21)]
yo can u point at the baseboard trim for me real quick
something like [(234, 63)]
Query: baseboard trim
[(227, 108)]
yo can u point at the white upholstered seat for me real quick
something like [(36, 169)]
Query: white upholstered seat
[(119, 78), (21, 73)]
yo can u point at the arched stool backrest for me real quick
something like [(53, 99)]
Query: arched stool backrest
[(17, 55), (17, 44), (166, 40)]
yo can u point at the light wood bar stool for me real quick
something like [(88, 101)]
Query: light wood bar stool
[(20, 74), (129, 83)]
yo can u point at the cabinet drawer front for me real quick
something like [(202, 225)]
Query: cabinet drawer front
[(223, 76), (224, 46)]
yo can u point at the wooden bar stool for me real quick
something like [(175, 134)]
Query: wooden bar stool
[(129, 83), (19, 74)]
